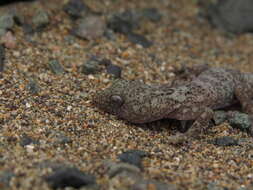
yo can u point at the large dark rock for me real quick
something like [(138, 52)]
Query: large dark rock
[(232, 15)]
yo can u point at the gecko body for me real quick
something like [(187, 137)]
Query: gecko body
[(212, 89)]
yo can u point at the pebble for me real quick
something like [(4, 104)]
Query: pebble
[(114, 169), (152, 184), (214, 186), (109, 34), (122, 175), (219, 117), (239, 120), (26, 140), (6, 22), (89, 28), (152, 14), (5, 178), (124, 22), (133, 157), (55, 67), (2, 58), (9, 40), (77, 9), (33, 87), (70, 177), (225, 141), (40, 19), (114, 70), (139, 39), (92, 66)]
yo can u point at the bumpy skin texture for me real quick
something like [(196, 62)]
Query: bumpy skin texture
[(213, 88)]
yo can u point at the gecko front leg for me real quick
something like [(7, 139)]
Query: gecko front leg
[(198, 127), (243, 95)]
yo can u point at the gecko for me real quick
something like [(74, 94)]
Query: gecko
[(211, 89)]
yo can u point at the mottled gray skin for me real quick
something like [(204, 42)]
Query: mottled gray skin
[(212, 89)]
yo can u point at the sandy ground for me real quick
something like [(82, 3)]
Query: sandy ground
[(67, 129)]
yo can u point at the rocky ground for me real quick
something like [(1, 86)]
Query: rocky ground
[(56, 54)]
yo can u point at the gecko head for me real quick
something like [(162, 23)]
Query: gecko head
[(116, 99), (133, 101)]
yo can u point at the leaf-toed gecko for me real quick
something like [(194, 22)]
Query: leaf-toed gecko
[(213, 88)]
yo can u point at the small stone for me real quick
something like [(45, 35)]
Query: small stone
[(2, 31), (92, 66), (77, 9), (110, 35), (63, 139), (117, 168), (2, 58), (28, 29), (105, 62), (56, 67), (225, 141), (33, 86), (152, 14), (114, 70), (70, 177), (89, 28), (239, 120), (152, 184), (133, 157), (26, 140), (5, 178), (214, 186), (124, 22), (40, 19), (6, 21), (139, 39), (219, 117), (9, 40), (122, 175)]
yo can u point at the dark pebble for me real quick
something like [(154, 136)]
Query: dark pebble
[(225, 141), (139, 39), (146, 184), (2, 58), (5, 178), (33, 86), (219, 117), (133, 157), (152, 14), (232, 15), (214, 186), (114, 70), (124, 22), (89, 28), (92, 66), (239, 120), (28, 29), (62, 139), (116, 169), (40, 20), (76, 9), (26, 140), (105, 62), (55, 67), (70, 177), (6, 21)]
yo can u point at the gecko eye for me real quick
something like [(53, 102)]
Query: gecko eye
[(117, 100)]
